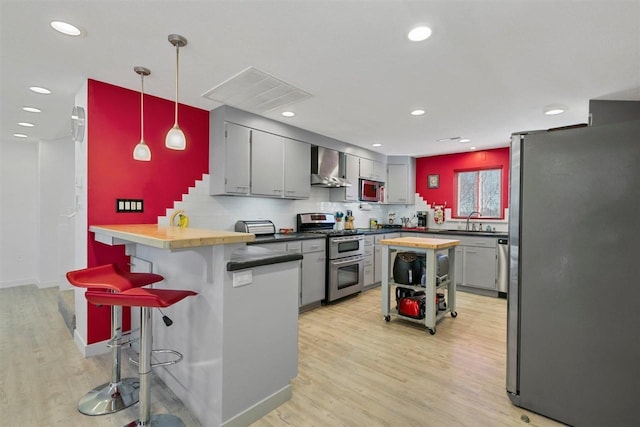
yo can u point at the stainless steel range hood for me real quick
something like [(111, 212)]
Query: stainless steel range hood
[(327, 168)]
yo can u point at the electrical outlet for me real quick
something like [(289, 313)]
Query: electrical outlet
[(129, 205)]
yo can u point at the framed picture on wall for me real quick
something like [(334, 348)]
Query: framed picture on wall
[(433, 181)]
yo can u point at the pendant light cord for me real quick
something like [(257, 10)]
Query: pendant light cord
[(142, 108), (177, 74)]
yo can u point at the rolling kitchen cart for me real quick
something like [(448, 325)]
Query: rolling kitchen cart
[(429, 247)]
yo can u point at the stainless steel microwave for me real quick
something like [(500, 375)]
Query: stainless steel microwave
[(371, 191)]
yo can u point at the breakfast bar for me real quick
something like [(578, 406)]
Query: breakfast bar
[(430, 247), (238, 335)]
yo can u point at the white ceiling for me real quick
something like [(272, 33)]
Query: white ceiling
[(488, 69)]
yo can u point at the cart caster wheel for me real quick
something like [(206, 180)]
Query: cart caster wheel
[(387, 318), (454, 314), (432, 331)]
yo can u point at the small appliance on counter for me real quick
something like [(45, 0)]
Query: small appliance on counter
[(258, 227), (422, 218)]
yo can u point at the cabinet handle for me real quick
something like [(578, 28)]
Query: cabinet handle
[(470, 252)]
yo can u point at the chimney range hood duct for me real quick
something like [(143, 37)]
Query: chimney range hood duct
[(327, 168)]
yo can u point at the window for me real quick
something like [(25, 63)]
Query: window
[(480, 191)]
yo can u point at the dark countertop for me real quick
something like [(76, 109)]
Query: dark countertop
[(251, 257), (279, 237), (274, 238)]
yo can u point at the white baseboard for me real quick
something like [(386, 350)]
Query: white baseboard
[(48, 284), (14, 283), (90, 350), (260, 409)]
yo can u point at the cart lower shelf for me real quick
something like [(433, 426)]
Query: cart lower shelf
[(394, 312)]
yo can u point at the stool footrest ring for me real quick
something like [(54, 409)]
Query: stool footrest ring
[(178, 357)]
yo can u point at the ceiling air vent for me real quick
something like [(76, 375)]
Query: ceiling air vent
[(255, 91)]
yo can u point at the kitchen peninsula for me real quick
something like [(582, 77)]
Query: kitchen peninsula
[(239, 336)]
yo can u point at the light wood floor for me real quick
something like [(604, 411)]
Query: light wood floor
[(355, 369)]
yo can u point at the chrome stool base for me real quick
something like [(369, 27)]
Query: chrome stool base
[(110, 397), (158, 420)]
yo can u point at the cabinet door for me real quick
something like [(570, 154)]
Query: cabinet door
[(377, 263), (237, 159), (379, 171), (313, 274), (352, 173), (366, 168), (267, 155), (396, 184), (459, 265), (297, 169), (480, 267)]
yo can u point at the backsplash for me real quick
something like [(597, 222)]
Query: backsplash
[(222, 212)]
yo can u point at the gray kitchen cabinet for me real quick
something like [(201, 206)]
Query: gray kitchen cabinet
[(312, 285), (352, 174), (397, 185), (476, 263), (267, 165), (297, 169), (312, 271), (230, 159), (280, 167), (372, 169), (368, 261)]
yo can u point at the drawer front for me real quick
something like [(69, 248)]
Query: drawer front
[(294, 247), (315, 245), (368, 240)]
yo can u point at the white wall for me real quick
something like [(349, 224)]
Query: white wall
[(18, 207), (56, 207)]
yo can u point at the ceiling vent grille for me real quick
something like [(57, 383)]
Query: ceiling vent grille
[(255, 91)]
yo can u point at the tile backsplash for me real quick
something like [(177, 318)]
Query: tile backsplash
[(222, 212)]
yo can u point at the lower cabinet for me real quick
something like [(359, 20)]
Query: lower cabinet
[(368, 261), (312, 285), (312, 271)]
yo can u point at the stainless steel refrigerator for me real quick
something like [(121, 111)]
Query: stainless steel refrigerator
[(573, 327)]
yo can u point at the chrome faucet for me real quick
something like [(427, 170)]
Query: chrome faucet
[(469, 217)]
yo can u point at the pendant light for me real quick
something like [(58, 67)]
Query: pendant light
[(141, 151), (175, 139)]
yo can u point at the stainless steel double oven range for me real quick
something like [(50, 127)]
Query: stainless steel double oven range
[(345, 254)]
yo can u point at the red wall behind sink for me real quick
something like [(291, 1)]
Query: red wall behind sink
[(447, 165), (113, 126)]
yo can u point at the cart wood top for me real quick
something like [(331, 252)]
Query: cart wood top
[(170, 237), (420, 242)]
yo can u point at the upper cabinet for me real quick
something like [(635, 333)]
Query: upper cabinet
[(245, 161), (400, 184), (372, 169), (352, 174), (229, 160), (280, 167)]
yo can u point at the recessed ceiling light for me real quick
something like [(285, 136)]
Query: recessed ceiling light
[(553, 109), (26, 124), (419, 34), (417, 112), (376, 145), (66, 28), (32, 109), (452, 139), (288, 113), (472, 148), (41, 90), (465, 140), (20, 135)]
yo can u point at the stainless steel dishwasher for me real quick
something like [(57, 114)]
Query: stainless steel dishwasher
[(503, 267)]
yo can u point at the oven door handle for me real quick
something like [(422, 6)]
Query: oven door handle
[(349, 261)]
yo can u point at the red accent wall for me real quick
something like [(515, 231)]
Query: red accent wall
[(446, 166), (113, 116)]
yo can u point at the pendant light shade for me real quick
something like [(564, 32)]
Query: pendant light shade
[(175, 138), (141, 151)]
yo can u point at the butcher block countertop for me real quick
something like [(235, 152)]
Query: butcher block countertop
[(420, 242), (167, 237)]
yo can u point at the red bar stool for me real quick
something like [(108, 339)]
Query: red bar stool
[(146, 299), (119, 393)]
